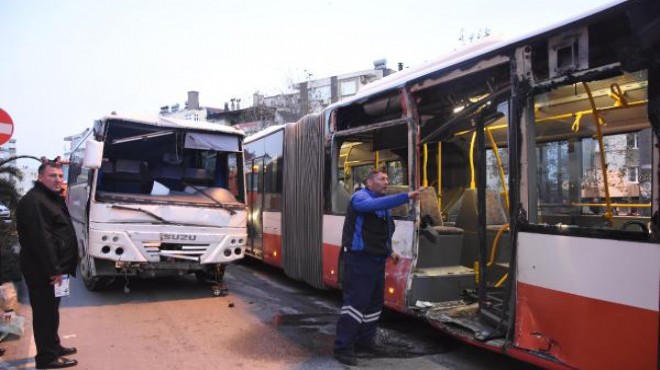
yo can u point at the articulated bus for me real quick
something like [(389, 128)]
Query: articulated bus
[(537, 234), (152, 197)]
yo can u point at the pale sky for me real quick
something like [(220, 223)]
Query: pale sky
[(65, 63)]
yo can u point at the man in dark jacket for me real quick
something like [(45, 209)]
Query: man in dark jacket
[(49, 251), (366, 245)]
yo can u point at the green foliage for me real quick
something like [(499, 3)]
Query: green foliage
[(10, 269)]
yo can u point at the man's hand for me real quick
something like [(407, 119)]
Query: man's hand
[(415, 194), (56, 280), (395, 257)]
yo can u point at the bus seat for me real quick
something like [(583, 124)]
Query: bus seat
[(468, 214), (495, 212), (126, 166), (131, 177), (468, 218), (169, 176), (195, 175), (428, 206), (439, 245), (107, 167), (402, 210)]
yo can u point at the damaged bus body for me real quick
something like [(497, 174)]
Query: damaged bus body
[(538, 233), (157, 197)]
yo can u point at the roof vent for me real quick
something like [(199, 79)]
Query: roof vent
[(568, 52)]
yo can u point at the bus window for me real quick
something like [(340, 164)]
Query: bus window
[(497, 168), (356, 160), (273, 172), (359, 176), (397, 173), (587, 179)]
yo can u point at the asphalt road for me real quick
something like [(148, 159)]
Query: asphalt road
[(266, 322)]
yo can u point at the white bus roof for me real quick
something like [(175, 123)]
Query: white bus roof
[(471, 51), (263, 133), (162, 121)]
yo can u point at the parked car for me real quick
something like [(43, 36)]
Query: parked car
[(5, 214)]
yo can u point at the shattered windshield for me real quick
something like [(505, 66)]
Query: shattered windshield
[(161, 164)]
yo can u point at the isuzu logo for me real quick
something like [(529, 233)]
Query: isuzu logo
[(177, 237)]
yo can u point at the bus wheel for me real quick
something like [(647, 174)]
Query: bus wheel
[(92, 283), (203, 277), (641, 225)]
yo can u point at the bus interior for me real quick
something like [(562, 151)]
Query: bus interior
[(462, 261), (152, 164)]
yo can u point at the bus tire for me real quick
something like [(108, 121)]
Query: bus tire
[(203, 277), (92, 283)]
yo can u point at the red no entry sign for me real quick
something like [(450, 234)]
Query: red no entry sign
[(6, 127)]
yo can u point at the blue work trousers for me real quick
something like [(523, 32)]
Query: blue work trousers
[(363, 282)]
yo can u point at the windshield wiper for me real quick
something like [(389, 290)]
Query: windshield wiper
[(222, 205), (145, 212)]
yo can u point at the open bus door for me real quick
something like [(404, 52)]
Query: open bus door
[(472, 173)]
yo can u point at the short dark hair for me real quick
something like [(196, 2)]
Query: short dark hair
[(372, 174), (48, 163)]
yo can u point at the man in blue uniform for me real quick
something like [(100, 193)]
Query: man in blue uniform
[(366, 245)]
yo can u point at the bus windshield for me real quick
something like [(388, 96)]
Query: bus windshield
[(158, 164)]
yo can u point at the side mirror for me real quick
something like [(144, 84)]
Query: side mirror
[(93, 155)]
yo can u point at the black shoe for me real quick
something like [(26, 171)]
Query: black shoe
[(373, 350), (345, 358), (58, 363), (64, 351)]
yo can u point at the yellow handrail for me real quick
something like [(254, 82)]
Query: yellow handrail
[(440, 177), (616, 94), (567, 115), (347, 167), (425, 180), (493, 249), (500, 167), (473, 183), (502, 280), (376, 160), (601, 146), (600, 110), (624, 205)]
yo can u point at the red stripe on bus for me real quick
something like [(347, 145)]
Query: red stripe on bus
[(584, 332), (273, 249)]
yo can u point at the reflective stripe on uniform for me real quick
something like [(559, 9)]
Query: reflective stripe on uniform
[(358, 316)]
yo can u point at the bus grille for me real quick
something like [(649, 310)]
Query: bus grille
[(175, 251)]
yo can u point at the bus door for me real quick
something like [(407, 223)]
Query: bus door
[(463, 251), (359, 153), (467, 244), (255, 184)]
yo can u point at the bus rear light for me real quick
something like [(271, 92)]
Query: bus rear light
[(227, 252), (275, 254), (237, 251), (233, 241), (390, 290), (105, 249), (104, 238), (115, 239), (332, 272), (119, 251)]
